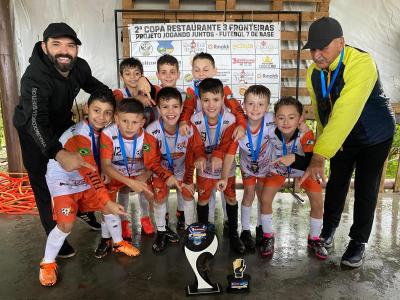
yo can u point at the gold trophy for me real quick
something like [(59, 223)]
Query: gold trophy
[(239, 282)]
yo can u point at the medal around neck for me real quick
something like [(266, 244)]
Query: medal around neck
[(201, 244), (238, 282)]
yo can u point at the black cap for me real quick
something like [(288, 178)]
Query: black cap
[(55, 30), (322, 32)]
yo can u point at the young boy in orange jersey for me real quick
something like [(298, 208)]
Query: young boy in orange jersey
[(216, 126), (292, 151), (203, 66), (167, 158), (255, 153), (82, 189), (135, 84), (121, 152)]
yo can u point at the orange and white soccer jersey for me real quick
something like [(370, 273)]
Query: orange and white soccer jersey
[(265, 155), (156, 158), (299, 144), (192, 105), (215, 148), (120, 94), (110, 148), (60, 182)]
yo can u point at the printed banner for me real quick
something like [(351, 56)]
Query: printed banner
[(245, 53)]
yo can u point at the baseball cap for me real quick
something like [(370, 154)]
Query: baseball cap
[(58, 30), (322, 32)]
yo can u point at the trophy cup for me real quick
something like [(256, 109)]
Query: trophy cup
[(239, 282), (201, 243)]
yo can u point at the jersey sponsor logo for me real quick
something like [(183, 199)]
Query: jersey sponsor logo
[(203, 136), (84, 151), (310, 142), (103, 146), (197, 122), (146, 147), (66, 211), (156, 131)]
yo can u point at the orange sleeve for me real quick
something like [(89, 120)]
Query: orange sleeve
[(189, 106), (235, 107), (194, 150), (118, 95), (225, 143), (233, 148), (82, 145), (106, 147), (152, 157), (307, 141)]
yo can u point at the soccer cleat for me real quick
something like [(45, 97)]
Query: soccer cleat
[(160, 242), (267, 245), (259, 235), (66, 251), (180, 216), (89, 219), (147, 225), (48, 273), (171, 236), (354, 254), (317, 246), (126, 248), (104, 247), (237, 244), (247, 240), (327, 237), (126, 230)]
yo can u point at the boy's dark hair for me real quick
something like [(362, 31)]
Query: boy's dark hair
[(130, 105), (203, 55), (289, 101), (168, 93), (104, 96), (167, 59), (130, 62), (211, 85), (258, 90)]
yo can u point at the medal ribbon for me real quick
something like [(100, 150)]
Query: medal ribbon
[(123, 151), (170, 160), (216, 132)]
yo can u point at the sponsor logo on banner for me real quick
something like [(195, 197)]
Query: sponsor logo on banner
[(244, 76), (188, 77), (193, 47), (243, 61), (242, 90), (267, 63), (271, 75), (145, 48), (217, 46), (267, 45), (165, 47), (242, 46)]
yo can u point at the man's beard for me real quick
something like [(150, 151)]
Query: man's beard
[(62, 67)]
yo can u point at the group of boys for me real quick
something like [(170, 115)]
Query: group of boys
[(159, 136)]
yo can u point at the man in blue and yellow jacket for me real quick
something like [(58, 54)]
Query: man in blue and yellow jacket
[(356, 127)]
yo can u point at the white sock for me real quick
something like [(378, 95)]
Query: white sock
[(211, 207), (188, 209), (181, 202), (113, 223), (266, 221), (224, 206), (123, 199), (245, 217), (258, 213), (315, 227), (159, 214), (105, 233), (144, 205), (54, 242)]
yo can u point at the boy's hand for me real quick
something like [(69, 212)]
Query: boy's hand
[(303, 127), (144, 89), (115, 209), (286, 160), (200, 163), (146, 100), (216, 163), (172, 181), (189, 187), (106, 179), (222, 184), (71, 161), (139, 187), (184, 128), (238, 133)]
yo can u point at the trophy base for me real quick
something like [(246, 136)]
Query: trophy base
[(192, 290), (238, 285)]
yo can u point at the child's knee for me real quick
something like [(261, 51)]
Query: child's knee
[(65, 227)]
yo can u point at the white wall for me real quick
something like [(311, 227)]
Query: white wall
[(367, 24)]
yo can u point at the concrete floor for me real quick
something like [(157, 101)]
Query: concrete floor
[(292, 273)]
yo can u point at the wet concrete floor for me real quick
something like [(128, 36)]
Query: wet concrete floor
[(292, 272)]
